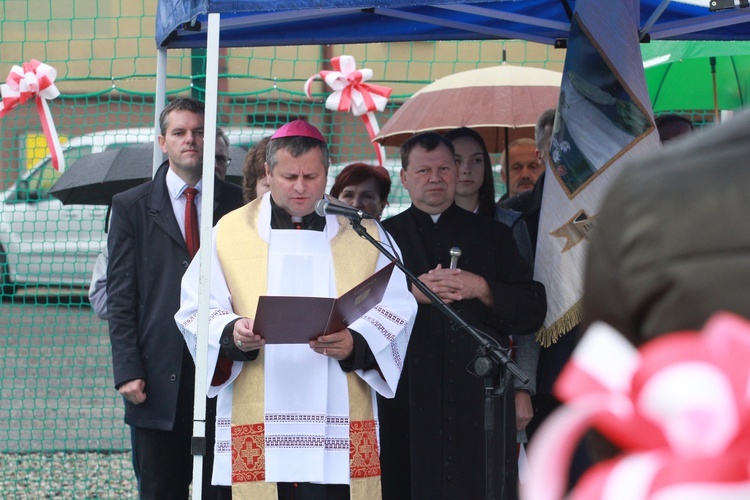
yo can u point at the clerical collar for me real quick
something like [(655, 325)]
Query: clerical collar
[(280, 219), (435, 218)]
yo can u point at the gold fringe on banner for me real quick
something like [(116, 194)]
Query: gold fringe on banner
[(550, 335)]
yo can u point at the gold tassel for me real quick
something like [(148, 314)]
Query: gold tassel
[(550, 335)]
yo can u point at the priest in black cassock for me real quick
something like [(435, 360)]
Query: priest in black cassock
[(432, 433)]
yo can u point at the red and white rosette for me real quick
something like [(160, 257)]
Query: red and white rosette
[(678, 409), (351, 93), (35, 80)]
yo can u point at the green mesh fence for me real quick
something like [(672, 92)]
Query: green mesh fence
[(61, 429)]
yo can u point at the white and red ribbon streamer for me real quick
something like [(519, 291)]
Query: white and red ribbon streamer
[(678, 409), (351, 93), (35, 80)]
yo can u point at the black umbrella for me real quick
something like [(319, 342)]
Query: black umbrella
[(96, 178)]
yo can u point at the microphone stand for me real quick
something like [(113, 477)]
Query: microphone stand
[(492, 360)]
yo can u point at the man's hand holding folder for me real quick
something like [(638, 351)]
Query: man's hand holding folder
[(244, 337), (298, 320)]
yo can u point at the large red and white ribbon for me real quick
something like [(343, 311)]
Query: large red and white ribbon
[(351, 93), (35, 80), (678, 409)]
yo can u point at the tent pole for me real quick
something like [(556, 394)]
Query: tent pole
[(159, 103), (207, 208), (506, 161), (712, 60), (326, 54)]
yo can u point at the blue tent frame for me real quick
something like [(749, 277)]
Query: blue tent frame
[(256, 23)]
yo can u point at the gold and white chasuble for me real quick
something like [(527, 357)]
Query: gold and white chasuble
[(295, 415)]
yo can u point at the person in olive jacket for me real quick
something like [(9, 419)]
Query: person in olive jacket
[(672, 241)]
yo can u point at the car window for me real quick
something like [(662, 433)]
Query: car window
[(44, 176)]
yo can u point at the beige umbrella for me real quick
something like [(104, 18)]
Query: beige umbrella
[(502, 103)]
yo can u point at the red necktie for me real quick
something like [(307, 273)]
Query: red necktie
[(192, 232)]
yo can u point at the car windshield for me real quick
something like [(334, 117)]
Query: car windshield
[(44, 176)]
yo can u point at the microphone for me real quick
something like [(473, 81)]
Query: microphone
[(324, 207), (455, 254)]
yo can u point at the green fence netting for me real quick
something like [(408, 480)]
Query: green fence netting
[(61, 429)]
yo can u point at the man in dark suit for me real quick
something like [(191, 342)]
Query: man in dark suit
[(148, 256), (432, 433), (553, 357)]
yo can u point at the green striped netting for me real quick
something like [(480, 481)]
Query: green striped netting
[(61, 428)]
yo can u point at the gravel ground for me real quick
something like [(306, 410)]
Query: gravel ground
[(56, 388), (56, 394), (66, 475)]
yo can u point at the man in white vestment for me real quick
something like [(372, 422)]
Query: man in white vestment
[(297, 420)]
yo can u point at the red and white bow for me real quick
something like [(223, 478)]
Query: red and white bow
[(35, 80), (351, 93), (678, 409)]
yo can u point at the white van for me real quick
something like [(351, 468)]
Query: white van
[(42, 241)]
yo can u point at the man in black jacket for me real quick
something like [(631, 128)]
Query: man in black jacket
[(432, 432), (148, 256)]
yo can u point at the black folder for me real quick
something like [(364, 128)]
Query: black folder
[(297, 320)]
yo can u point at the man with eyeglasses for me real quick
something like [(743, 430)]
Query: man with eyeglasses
[(222, 154)]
